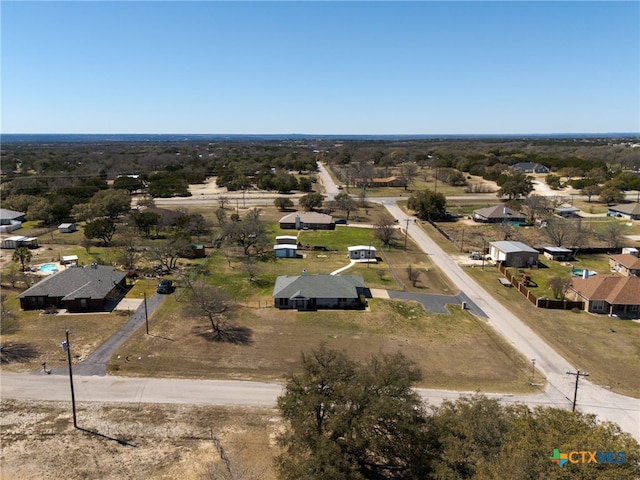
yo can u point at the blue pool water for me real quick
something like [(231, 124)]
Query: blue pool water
[(48, 268)]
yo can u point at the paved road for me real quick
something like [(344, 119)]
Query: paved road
[(182, 391), (624, 411)]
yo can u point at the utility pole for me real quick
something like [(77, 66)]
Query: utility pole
[(406, 233), (146, 314), (533, 368), (67, 348), (577, 374)]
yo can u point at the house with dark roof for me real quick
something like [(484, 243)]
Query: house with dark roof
[(513, 254), (529, 167), (608, 294), (312, 292), (77, 289), (10, 220), (307, 221), (625, 264), (629, 210), (497, 214)]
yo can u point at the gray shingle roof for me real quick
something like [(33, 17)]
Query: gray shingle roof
[(498, 211), (6, 214), (318, 286), (92, 281)]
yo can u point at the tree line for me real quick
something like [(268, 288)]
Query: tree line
[(356, 421)]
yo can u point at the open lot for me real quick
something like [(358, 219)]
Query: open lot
[(135, 441)]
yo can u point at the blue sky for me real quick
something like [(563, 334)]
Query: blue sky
[(320, 67)]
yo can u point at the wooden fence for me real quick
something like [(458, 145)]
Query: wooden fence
[(538, 302)]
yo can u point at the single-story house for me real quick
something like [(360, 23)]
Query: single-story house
[(10, 220), (567, 212), (558, 254), (311, 292), (67, 227), (166, 217), (629, 210), (286, 240), (626, 264), (513, 254), (284, 250), (76, 289), (608, 294), (497, 214), (384, 182), (307, 221), (530, 167), (20, 241), (361, 252)]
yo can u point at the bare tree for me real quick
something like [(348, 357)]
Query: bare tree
[(214, 305), (385, 231), (408, 172), (413, 274), (223, 201), (612, 234), (534, 206), (560, 286), (247, 233), (564, 231), (251, 267), (169, 251)]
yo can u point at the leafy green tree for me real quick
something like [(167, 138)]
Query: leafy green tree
[(193, 224), (456, 178), (611, 195), (428, 205), (553, 181), (305, 184), (283, 203), (311, 201), (100, 228), (21, 255), (345, 203), (350, 421), (533, 435), (589, 191), (130, 184), (145, 221), (111, 203), (515, 186)]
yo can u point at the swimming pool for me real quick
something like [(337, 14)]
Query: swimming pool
[(49, 268)]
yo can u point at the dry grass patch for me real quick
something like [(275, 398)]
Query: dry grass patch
[(156, 441), (456, 351)]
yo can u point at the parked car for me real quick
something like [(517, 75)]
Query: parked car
[(165, 286), (341, 221)]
